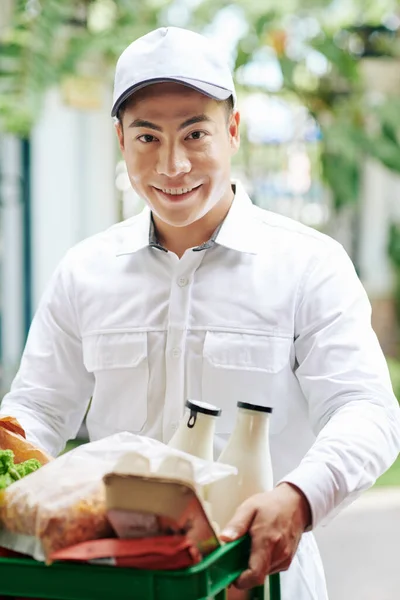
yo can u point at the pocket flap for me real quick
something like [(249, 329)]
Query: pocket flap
[(117, 350), (247, 351)]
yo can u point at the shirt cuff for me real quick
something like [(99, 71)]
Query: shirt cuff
[(317, 483)]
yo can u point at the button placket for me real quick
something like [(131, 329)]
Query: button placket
[(178, 318), (182, 281)]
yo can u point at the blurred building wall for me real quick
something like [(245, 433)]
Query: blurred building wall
[(73, 173), (378, 207), (12, 275), (73, 195)]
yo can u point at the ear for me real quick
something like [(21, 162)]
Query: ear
[(234, 133), (120, 134)]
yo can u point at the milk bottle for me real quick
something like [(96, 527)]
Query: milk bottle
[(248, 451), (195, 433)]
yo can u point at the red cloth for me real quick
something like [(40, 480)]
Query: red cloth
[(164, 552)]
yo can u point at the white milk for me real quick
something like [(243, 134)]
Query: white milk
[(248, 451), (195, 434)]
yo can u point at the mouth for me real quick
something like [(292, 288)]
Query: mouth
[(177, 194)]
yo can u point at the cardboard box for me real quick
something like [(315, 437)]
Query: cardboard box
[(148, 505)]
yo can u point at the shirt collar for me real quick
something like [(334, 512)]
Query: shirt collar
[(234, 232), (239, 231), (154, 243), (134, 233), (153, 240)]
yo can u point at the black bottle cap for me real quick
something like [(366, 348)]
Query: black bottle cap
[(200, 407), (257, 407), (203, 407)]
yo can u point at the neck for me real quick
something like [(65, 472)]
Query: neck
[(180, 239)]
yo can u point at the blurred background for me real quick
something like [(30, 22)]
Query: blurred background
[(319, 92)]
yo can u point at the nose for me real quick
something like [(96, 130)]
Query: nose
[(172, 160)]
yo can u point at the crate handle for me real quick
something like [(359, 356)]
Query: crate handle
[(274, 589)]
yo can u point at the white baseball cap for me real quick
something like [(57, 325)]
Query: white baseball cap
[(172, 54)]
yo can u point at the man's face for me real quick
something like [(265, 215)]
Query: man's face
[(177, 145)]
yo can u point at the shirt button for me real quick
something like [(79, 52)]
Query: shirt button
[(182, 281), (176, 352), (174, 426)]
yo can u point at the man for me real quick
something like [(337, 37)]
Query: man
[(205, 296)]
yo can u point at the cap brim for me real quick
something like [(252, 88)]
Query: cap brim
[(210, 90)]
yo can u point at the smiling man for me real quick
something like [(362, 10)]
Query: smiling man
[(203, 295), (178, 159)]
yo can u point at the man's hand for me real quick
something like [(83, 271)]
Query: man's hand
[(275, 521)]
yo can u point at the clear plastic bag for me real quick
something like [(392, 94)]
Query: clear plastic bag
[(63, 503)]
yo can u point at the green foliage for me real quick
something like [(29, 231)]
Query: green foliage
[(72, 444), (394, 255), (30, 53), (354, 122), (394, 244), (41, 49), (392, 476), (384, 141), (394, 369), (343, 176), (344, 63)]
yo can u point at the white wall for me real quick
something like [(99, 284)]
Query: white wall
[(73, 193), (380, 195), (11, 258)]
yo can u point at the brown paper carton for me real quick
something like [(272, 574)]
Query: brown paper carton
[(151, 504)]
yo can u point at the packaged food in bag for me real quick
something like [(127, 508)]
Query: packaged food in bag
[(63, 503), (75, 512)]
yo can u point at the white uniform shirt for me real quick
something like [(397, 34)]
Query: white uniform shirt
[(270, 312)]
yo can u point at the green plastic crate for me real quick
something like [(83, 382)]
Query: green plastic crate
[(72, 581)]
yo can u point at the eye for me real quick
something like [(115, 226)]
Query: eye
[(196, 135), (147, 138)]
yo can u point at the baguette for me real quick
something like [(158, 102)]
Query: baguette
[(12, 437)]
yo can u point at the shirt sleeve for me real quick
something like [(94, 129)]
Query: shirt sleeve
[(51, 391), (344, 377)]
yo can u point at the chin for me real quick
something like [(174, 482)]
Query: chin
[(179, 222)]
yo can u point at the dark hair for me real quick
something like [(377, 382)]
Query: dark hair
[(228, 105)]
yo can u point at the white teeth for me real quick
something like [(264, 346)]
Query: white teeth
[(177, 192)]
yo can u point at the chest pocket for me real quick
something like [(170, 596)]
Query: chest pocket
[(120, 366), (246, 368)]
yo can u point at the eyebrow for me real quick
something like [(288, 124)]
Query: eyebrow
[(191, 121)]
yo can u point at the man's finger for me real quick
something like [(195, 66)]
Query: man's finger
[(280, 568), (281, 559), (259, 562), (283, 554), (254, 575), (277, 567), (239, 524)]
